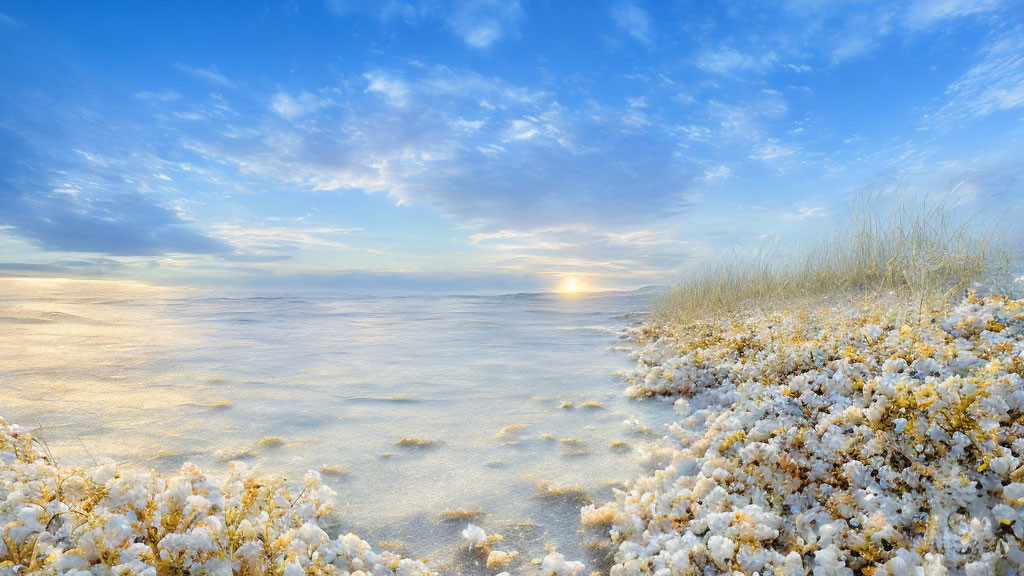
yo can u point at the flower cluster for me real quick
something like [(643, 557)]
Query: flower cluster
[(103, 520), (833, 442)]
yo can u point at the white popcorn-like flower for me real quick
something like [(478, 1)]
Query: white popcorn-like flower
[(474, 534), (107, 521), (833, 441), (721, 550), (556, 564)]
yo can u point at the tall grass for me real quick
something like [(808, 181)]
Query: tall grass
[(923, 254)]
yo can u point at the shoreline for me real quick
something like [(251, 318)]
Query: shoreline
[(167, 405), (825, 441)]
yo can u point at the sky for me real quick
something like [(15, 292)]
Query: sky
[(485, 145)]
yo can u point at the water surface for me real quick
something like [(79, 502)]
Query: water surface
[(155, 377)]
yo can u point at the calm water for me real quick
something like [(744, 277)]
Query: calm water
[(157, 377)]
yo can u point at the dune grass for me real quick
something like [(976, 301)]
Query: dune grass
[(923, 254)]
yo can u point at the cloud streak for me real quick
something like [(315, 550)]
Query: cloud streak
[(633, 20), (209, 74), (9, 21), (76, 201), (995, 84), (295, 107), (926, 13), (479, 24), (729, 61), (120, 225)]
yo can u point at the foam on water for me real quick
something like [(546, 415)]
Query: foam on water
[(158, 377)]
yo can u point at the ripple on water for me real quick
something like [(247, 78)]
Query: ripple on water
[(415, 409)]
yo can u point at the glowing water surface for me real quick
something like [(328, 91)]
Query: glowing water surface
[(155, 377)]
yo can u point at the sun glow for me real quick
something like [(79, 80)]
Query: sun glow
[(571, 285)]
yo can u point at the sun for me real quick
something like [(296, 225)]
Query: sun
[(571, 285)]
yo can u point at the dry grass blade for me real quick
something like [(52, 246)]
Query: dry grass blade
[(923, 253)]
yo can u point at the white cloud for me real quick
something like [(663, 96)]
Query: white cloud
[(9, 21), (521, 130), (747, 119), (393, 89), (481, 34), (925, 13), (570, 237), (858, 35), (522, 157), (294, 107), (481, 23), (639, 238), (481, 237), (161, 96), (716, 174), (772, 150), (459, 84), (411, 12), (209, 74), (693, 133), (729, 61), (836, 31), (861, 35), (492, 151), (254, 241), (466, 127), (600, 254), (634, 20), (994, 84), (636, 101), (194, 116), (804, 212), (478, 23)]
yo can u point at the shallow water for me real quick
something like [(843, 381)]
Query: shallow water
[(155, 377)]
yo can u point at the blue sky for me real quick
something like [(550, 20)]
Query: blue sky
[(485, 145)]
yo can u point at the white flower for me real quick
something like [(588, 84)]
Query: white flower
[(721, 550), (555, 563), (474, 534)]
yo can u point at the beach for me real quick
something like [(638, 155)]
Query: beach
[(512, 287), (833, 440)]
